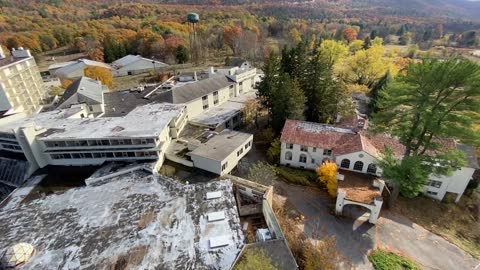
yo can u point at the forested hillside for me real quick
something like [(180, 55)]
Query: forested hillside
[(108, 29)]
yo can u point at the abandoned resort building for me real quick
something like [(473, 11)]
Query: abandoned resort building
[(83, 175), (133, 218), (21, 86), (354, 149)]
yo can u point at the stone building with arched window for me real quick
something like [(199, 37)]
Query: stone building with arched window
[(306, 145)]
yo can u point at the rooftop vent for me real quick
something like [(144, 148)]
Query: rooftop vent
[(216, 216), (219, 241), (214, 195)]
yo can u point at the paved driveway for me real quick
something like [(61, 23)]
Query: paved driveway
[(356, 237)]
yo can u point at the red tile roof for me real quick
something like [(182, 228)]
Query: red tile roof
[(339, 140), (344, 140)]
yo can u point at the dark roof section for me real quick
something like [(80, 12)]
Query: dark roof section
[(122, 102), (192, 91), (470, 155), (70, 91), (10, 60)]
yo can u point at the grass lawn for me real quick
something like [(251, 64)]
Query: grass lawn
[(385, 260), (297, 176), (457, 223)]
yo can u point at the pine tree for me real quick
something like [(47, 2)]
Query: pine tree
[(433, 100), (288, 102), (375, 91), (271, 70)]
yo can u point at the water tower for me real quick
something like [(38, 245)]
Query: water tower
[(193, 19)]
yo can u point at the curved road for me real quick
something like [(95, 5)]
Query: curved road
[(356, 237)]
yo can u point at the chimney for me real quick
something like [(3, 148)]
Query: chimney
[(211, 71), (2, 54), (21, 53)]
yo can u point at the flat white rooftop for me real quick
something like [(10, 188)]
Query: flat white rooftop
[(144, 121), (138, 215), (220, 114), (222, 145)]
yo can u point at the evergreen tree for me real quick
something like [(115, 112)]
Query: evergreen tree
[(433, 100), (271, 71), (182, 54), (367, 43), (288, 102), (326, 96), (375, 91)]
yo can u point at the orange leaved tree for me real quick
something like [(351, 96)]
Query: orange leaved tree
[(327, 174), (100, 73)]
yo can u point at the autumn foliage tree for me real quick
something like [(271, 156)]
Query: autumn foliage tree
[(350, 34), (231, 37), (100, 73), (327, 174)]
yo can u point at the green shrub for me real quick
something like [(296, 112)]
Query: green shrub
[(385, 260), (297, 176), (253, 259)]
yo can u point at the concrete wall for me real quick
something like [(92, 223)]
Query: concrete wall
[(207, 164)]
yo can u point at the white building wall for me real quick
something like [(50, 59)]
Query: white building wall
[(231, 160), (455, 183), (21, 86), (314, 157), (357, 156)]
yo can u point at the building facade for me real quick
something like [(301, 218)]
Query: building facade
[(21, 86), (306, 145), (221, 154), (69, 138)]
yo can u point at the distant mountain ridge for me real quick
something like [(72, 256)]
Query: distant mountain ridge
[(455, 9)]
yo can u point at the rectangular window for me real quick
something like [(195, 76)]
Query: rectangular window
[(224, 166), (434, 183), (313, 160), (215, 94), (215, 101), (314, 149), (204, 97), (205, 107), (289, 146), (327, 152), (303, 148), (432, 193), (303, 159)]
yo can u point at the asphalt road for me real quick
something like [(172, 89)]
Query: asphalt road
[(356, 237)]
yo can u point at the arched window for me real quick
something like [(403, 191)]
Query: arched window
[(288, 155), (345, 163), (372, 168), (303, 158), (358, 166)]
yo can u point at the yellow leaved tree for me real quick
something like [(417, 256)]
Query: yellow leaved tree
[(327, 174), (100, 73)]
